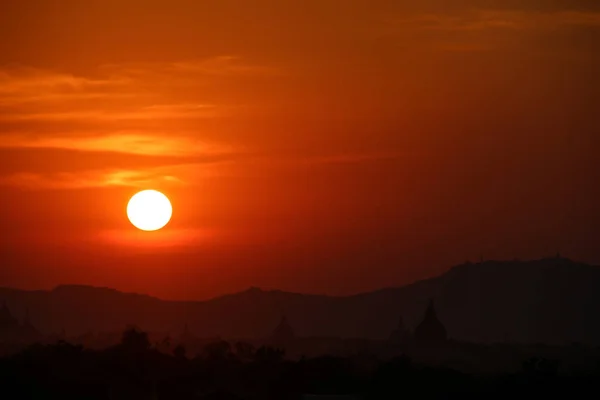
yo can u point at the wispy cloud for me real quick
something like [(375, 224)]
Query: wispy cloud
[(93, 179), (114, 79), (27, 80), (148, 109), (188, 173), (165, 238), (223, 66), (352, 158), (485, 29), (134, 92), (120, 142), (157, 112), (480, 20)]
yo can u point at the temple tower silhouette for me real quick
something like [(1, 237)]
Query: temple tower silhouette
[(9, 325), (28, 331), (430, 331), (283, 333)]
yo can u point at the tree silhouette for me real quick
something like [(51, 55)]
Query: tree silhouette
[(266, 354), (217, 351), (244, 351), (179, 352), (538, 366), (135, 340)]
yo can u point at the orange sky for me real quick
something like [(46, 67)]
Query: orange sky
[(314, 146)]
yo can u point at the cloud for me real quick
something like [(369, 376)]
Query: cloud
[(27, 80), (70, 164), (486, 29), (480, 20), (124, 92), (125, 142), (187, 109), (352, 158), (223, 66), (91, 179), (133, 125), (164, 238), (24, 80), (188, 173), (64, 130), (156, 112), (29, 180)]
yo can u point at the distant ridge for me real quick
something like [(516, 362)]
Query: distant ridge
[(553, 300), (74, 289)]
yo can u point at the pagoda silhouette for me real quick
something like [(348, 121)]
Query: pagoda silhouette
[(11, 330), (430, 331), (283, 334)]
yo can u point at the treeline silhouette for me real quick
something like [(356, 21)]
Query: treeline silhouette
[(135, 369)]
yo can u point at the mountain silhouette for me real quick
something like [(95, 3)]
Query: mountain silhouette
[(552, 300)]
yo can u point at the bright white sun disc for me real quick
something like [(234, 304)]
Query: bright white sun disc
[(149, 210)]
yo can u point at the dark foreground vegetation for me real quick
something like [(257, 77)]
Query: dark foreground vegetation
[(134, 369)]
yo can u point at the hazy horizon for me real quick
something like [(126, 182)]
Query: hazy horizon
[(311, 293)]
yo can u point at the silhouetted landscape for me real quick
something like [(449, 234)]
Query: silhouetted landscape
[(134, 369), (480, 329), (552, 301)]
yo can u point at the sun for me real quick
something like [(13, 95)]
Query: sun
[(149, 210)]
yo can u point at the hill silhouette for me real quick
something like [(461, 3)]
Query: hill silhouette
[(552, 300)]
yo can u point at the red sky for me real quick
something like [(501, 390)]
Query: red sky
[(313, 146)]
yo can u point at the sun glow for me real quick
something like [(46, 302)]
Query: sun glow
[(149, 210)]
